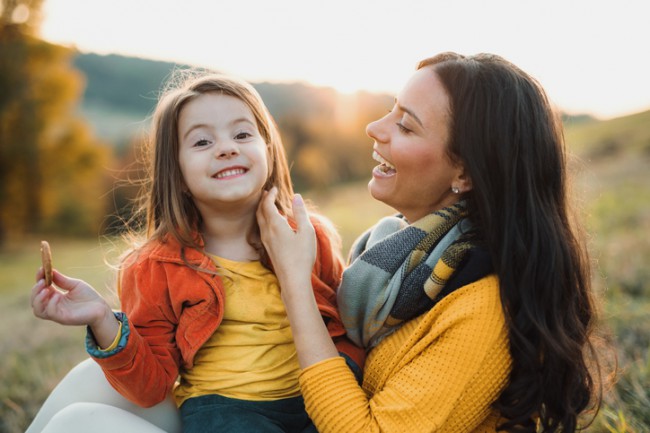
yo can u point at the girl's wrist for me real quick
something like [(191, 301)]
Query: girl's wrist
[(105, 327)]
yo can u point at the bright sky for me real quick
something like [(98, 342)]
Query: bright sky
[(591, 55)]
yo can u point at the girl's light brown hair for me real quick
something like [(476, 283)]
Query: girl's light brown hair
[(169, 210)]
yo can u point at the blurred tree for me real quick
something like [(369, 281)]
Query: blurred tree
[(51, 166)]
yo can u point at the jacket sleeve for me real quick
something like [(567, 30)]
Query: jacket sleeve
[(326, 277), (144, 368)]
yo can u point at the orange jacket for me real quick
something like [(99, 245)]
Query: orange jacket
[(173, 309)]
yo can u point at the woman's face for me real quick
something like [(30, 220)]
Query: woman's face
[(415, 175)]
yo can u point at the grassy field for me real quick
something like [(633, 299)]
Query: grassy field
[(613, 187), (36, 354)]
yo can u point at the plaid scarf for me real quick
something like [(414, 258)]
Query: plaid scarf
[(399, 271)]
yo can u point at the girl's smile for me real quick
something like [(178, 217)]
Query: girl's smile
[(230, 173), (222, 155)]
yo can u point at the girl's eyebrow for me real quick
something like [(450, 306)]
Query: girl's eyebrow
[(193, 127), (205, 125)]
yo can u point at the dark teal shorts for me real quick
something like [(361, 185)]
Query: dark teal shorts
[(215, 413)]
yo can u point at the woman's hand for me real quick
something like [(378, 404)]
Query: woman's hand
[(77, 304), (292, 252)]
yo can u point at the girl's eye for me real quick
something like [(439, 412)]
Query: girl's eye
[(402, 128), (243, 136), (201, 143)]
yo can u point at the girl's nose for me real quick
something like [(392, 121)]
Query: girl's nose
[(227, 150)]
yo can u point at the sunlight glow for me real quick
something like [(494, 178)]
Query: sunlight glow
[(375, 44)]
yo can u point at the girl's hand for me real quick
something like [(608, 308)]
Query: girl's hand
[(77, 304), (292, 252)]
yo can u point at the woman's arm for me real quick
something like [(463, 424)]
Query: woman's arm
[(293, 254), (438, 373), (446, 382)]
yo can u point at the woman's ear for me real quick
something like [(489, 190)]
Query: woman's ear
[(463, 182)]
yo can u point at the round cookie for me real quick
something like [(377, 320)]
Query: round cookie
[(46, 257)]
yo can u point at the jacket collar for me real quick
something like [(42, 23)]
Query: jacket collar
[(170, 250)]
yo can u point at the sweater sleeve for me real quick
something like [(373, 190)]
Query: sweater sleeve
[(438, 373)]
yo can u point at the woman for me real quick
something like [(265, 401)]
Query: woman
[(474, 302)]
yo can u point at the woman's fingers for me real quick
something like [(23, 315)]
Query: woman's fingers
[(301, 215)]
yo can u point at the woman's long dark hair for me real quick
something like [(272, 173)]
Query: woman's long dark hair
[(510, 141)]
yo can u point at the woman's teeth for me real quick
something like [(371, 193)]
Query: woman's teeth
[(385, 165)]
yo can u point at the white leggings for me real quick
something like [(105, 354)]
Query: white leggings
[(84, 401)]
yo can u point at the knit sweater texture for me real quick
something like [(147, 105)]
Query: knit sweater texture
[(440, 372)]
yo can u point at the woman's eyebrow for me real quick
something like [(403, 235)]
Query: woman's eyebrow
[(409, 112)]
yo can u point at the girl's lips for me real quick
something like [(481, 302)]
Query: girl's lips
[(230, 172)]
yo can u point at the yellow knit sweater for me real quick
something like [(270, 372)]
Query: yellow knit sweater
[(440, 372)]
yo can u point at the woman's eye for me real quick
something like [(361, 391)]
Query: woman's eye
[(402, 128)]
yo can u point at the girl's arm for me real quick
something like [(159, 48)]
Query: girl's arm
[(293, 254), (77, 304), (142, 368)]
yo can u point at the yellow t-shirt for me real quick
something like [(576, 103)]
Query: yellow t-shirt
[(251, 355)]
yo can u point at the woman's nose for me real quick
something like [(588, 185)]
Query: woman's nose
[(375, 131)]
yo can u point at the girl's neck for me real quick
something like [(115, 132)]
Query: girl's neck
[(228, 236)]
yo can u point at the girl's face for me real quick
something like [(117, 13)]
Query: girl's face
[(415, 175), (222, 156)]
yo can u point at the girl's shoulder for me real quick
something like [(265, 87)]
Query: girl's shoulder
[(153, 249), (323, 225)]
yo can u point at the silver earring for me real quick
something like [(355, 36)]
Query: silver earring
[(455, 189)]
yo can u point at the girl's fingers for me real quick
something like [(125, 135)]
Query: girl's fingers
[(51, 305), (36, 289), (40, 273), (39, 303), (64, 282)]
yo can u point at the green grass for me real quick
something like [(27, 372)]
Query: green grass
[(36, 354)]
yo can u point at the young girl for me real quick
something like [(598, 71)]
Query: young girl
[(199, 299)]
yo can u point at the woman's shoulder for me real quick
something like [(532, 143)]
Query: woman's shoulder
[(479, 301)]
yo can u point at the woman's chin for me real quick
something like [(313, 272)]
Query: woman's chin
[(378, 193)]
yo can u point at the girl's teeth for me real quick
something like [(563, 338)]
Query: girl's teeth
[(229, 173)]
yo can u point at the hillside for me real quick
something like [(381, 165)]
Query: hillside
[(324, 132), (121, 93)]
